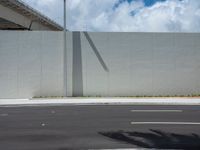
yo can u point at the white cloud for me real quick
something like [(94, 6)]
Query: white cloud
[(100, 15)]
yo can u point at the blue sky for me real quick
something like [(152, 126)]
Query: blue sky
[(146, 2), (124, 15), (151, 2)]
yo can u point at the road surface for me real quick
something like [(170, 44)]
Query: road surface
[(99, 127)]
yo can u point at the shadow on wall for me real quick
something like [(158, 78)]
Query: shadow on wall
[(94, 48), (156, 139), (77, 71)]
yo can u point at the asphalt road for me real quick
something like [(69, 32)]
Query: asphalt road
[(99, 127)]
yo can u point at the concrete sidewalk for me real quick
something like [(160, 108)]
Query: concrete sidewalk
[(101, 101)]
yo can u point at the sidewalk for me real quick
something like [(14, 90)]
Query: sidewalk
[(101, 101)]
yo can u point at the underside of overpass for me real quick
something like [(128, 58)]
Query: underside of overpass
[(8, 25), (16, 15)]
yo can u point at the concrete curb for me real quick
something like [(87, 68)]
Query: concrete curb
[(100, 101)]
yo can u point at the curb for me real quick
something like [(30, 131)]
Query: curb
[(98, 101)]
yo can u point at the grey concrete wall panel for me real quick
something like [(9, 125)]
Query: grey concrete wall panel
[(141, 64), (69, 64), (30, 64), (99, 64)]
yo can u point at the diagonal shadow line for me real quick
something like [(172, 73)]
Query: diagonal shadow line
[(96, 52)]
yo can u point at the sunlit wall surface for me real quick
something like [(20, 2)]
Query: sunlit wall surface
[(99, 64)]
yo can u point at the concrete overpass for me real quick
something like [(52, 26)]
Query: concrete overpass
[(16, 15)]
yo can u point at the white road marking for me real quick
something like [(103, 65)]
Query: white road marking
[(166, 123), (43, 124), (3, 115), (157, 111), (122, 149)]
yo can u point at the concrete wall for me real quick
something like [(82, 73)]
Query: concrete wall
[(132, 64), (31, 64), (99, 64)]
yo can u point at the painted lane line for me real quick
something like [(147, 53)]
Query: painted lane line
[(179, 111), (122, 149), (3, 115), (165, 123)]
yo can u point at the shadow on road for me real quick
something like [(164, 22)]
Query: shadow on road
[(156, 139)]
